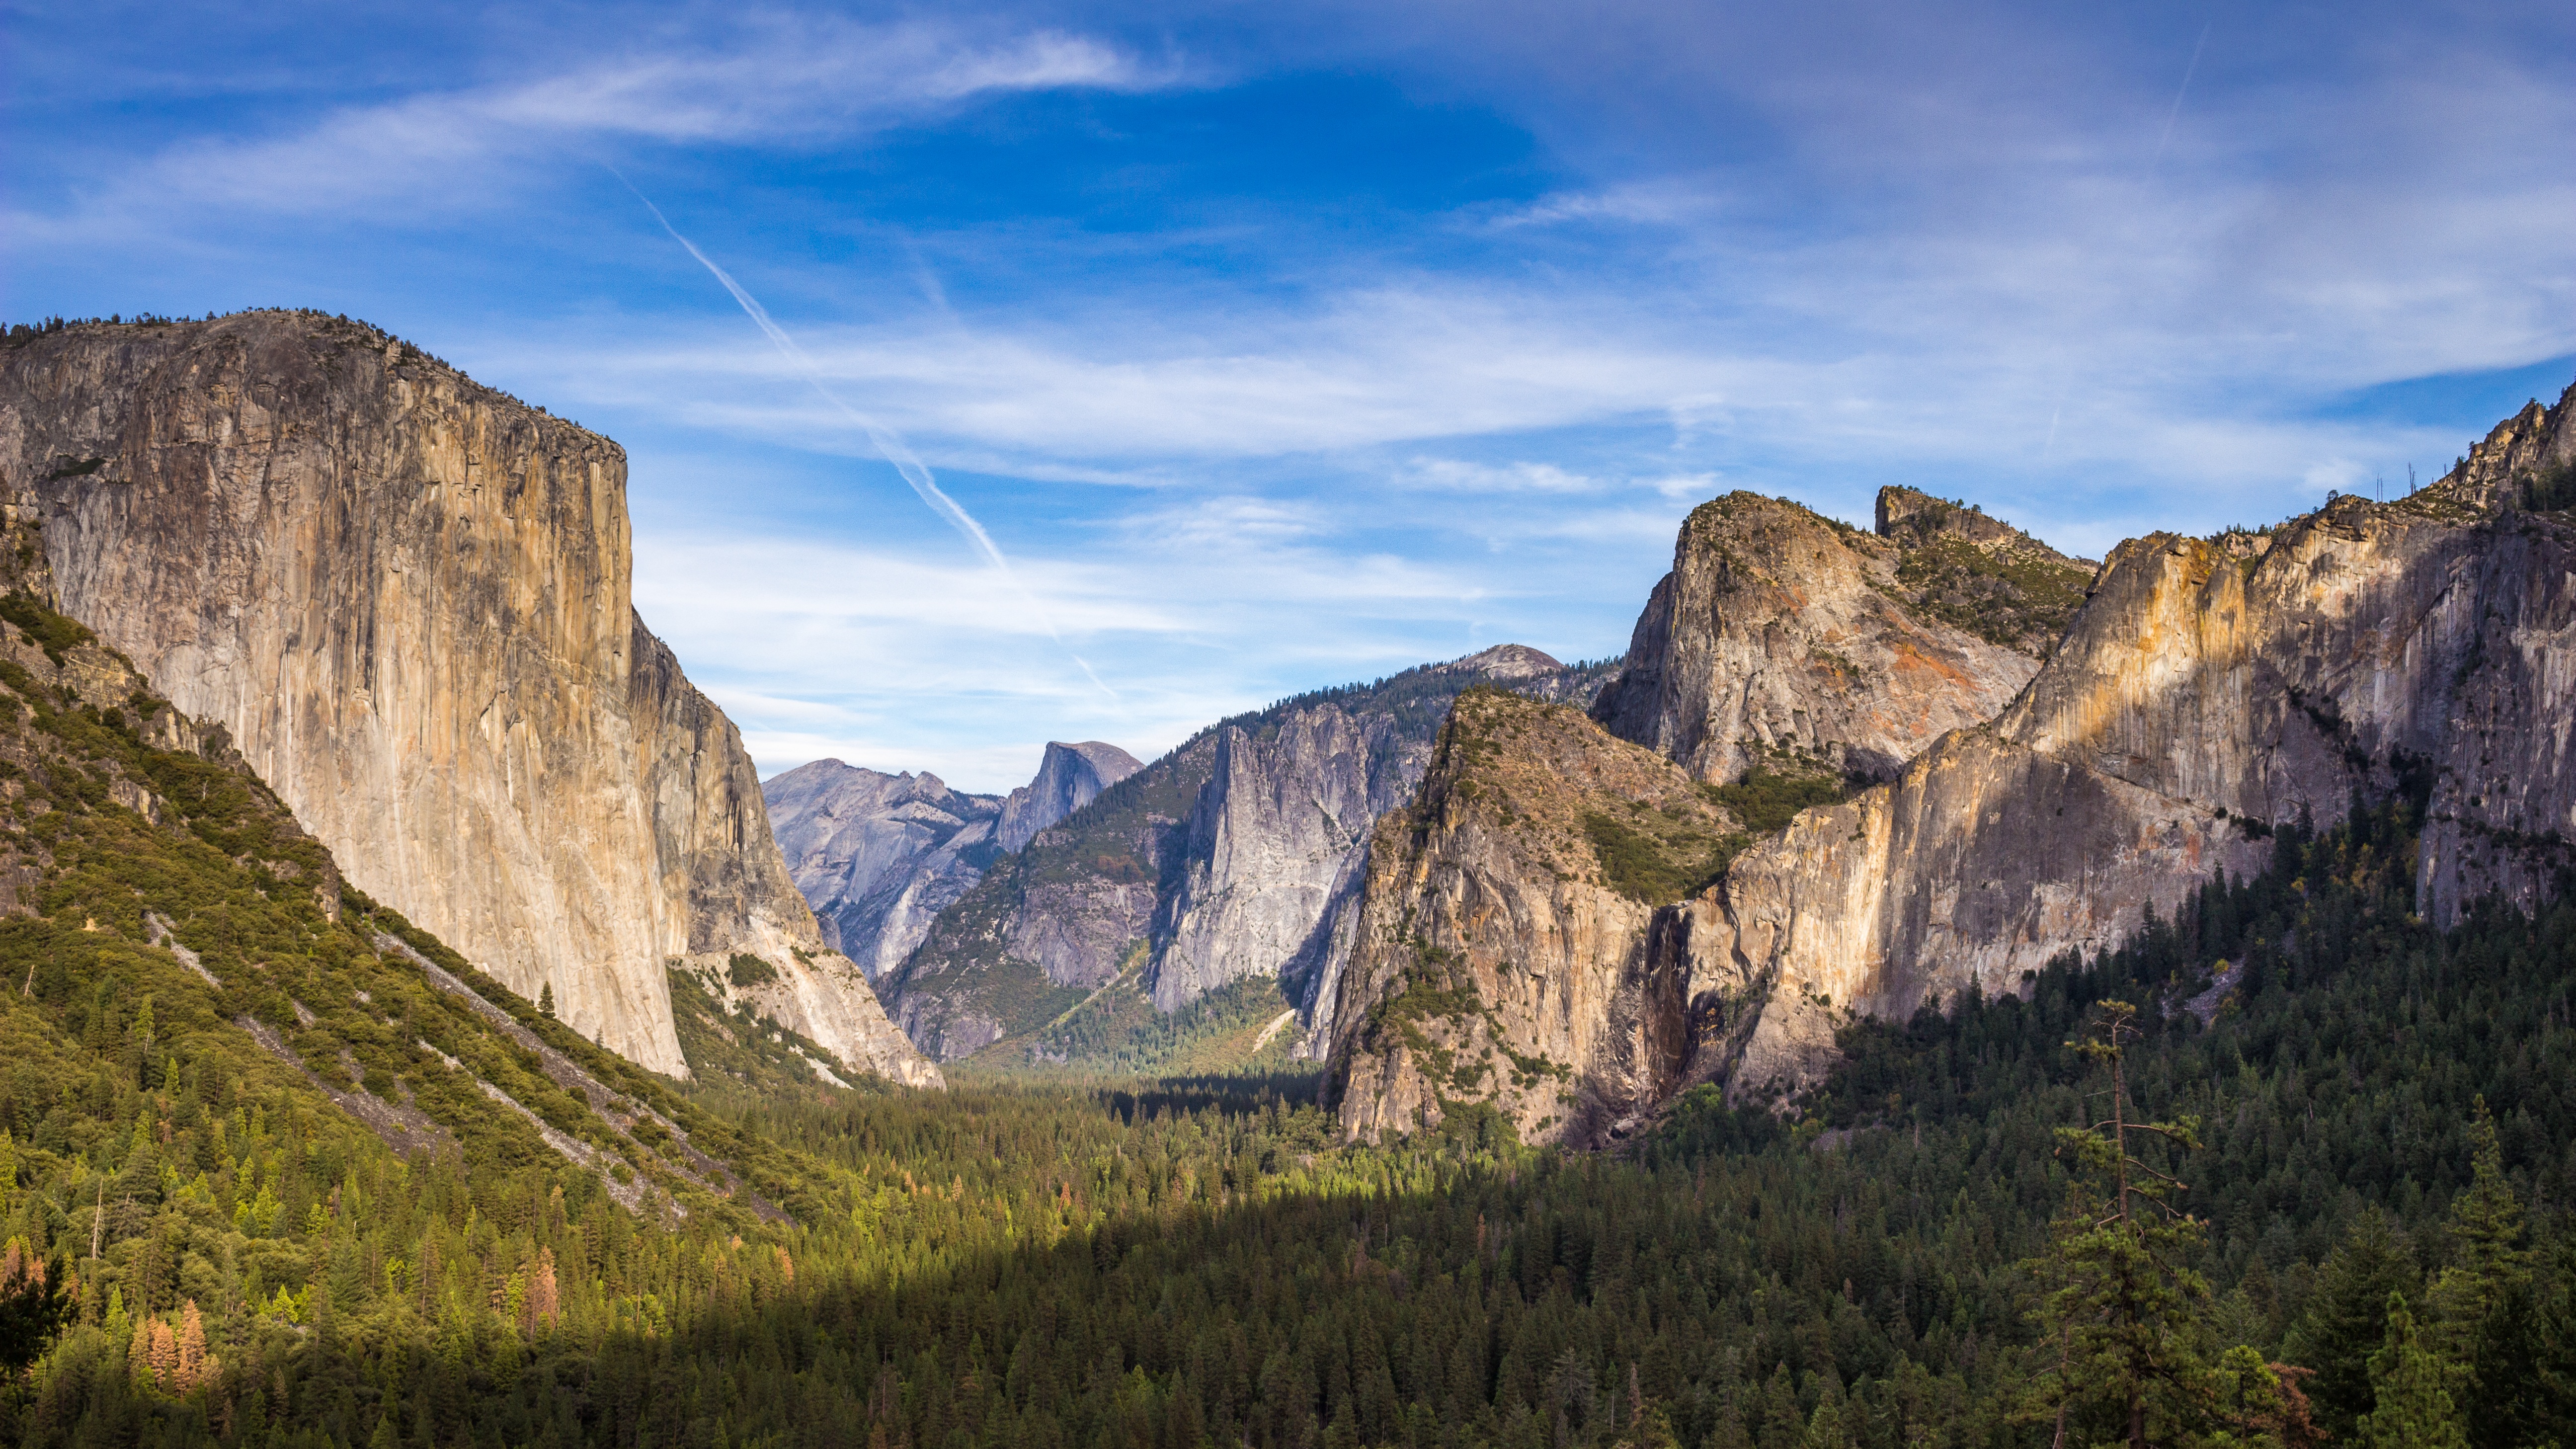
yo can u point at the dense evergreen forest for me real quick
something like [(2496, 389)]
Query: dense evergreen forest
[(203, 1247)]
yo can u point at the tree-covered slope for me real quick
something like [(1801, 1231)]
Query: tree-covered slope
[(246, 1113), (1199, 1264)]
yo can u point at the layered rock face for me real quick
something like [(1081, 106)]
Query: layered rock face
[(1783, 636), (1502, 952), (879, 856), (1239, 854), (1070, 777), (2207, 690), (407, 598)]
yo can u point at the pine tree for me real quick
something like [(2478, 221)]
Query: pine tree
[(546, 1001), (2412, 1406), (2122, 1305), (2486, 1223), (2348, 1317), (32, 1309), (195, 1367)]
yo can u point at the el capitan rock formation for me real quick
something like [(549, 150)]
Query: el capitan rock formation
[(407, 598)]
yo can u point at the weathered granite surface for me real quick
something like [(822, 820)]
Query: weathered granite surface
[(1497, 962), (2208, 689), (1783, 635), (879, 856), (406, 597)]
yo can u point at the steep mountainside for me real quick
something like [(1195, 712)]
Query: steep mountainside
[(878, 856), (177, 947), (1238, 855), (1782, 635), (1502, 948), (2208, 691), (406, 598)]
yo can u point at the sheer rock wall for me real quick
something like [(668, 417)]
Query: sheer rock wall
[(1782, 635), (2208, 690), (407, 598)]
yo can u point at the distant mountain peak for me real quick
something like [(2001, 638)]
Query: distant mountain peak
[(1070, 777), (1505, 661)]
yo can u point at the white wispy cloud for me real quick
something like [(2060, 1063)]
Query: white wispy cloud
[(770, 79)]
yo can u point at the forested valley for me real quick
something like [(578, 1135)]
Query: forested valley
[(2372, 1118)]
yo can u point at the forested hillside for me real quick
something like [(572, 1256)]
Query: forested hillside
[(1197, 1263)]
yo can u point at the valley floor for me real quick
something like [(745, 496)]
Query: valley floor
[(1040, 1258)]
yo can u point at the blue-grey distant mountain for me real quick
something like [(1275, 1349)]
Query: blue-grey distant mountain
[(1237, 855), (879, 856)]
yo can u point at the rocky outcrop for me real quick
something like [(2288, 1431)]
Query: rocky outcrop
[(1069, 777), (406, 597), (879, 856), (1503, 956), (2208, 690), (1237, 855), (1784, 638)]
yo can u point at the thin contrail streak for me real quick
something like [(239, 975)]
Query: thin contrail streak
[(889, 444), (2180, 91)]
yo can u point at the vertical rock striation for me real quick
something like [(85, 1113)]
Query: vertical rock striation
[(2207, 690), (1503, 958), (407, 598)]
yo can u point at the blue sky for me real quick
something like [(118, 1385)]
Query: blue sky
[(1276, 346)]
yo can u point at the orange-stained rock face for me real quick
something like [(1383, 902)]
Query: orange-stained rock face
[(1783, 633), (2207, 690), (407, 598)]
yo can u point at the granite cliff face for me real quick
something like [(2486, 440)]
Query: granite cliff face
[(1784, 636), (1237, 855), (879, 856), (1070, 777), (406, 598), (2207, 690), (1502, 954)]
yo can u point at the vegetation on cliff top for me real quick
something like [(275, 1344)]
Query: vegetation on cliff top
[(1985, 577)]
